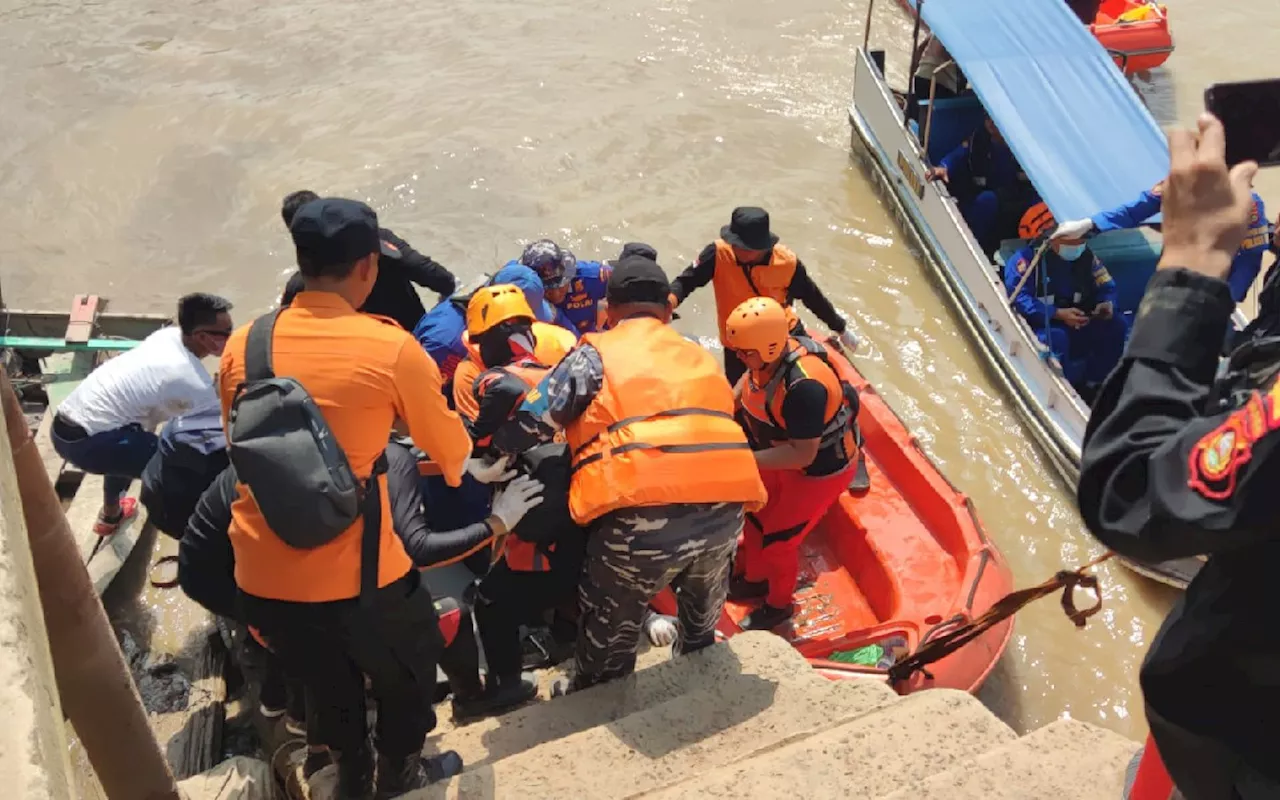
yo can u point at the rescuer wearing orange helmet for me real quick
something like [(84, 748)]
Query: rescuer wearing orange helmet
[(1069, 301), (661, 472), (748, 261), (800, 420)]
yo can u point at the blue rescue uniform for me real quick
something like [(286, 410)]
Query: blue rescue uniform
[(990, 186), (1087, 354), (558, 315), (581, 306), (1248, 259)]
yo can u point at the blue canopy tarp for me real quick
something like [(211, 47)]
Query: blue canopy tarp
[(1079, 130)]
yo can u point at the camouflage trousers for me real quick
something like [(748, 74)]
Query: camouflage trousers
[(634, 554)]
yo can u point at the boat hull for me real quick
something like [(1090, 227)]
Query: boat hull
[(1024, 369), (905, 561)]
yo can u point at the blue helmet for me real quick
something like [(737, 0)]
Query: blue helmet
[(554, 264), (529, 283)]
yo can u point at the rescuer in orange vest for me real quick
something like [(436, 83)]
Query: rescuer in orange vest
[(500, 319), (800, 419), (747, 261), (661, 473)]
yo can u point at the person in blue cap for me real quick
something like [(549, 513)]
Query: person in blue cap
[(575, 288), (1244, 267)]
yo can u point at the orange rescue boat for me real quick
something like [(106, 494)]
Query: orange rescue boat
[(1135, 32), (895, 567)]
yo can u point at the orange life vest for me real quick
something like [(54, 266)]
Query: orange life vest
[(805, 359), (551, 342), (661, 430), (734, 283)]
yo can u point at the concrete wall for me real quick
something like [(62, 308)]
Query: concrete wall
[(34, 760)]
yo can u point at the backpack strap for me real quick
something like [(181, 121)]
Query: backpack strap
[(257, 348), (371, 538)]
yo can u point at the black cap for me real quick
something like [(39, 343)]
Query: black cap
[(635, 249), (637, 279), (748, 228), (333, 231)]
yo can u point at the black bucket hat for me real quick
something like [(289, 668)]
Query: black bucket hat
[(748, 228)]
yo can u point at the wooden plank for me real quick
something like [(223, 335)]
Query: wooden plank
[(84, 310), (53, 324)]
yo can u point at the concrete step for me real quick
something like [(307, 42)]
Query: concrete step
[(758, 654), (871, 755), (1067, 760), (657, 745)]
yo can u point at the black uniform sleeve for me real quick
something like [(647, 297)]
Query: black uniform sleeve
[(291, 289), (206, 561), (698, 274), (1163, 478), (806, 291), (498, 394), (424, 546), (422, 269), (804, 408)]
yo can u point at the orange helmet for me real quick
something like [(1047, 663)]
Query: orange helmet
[(490, 306), (1036, 222), (760, 324)]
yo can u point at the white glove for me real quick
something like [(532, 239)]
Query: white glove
[(849, 339), (491, 471), (1072, 229), (514, 500), (661, 630)]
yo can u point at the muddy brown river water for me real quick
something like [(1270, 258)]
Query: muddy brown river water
[(145, 145)]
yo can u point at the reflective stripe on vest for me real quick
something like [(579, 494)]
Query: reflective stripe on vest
[(661, 429), (734, 283)]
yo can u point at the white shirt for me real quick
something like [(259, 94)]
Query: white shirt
[(155, 381)]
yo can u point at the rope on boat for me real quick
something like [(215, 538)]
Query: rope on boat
[(163, 583), (947, 643)]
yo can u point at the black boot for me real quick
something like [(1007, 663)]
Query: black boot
[(502, 694), (742, 589), (355, 774), (767, 617), (399, 775)]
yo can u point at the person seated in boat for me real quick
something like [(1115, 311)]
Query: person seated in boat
[(105, 425), (399, 267), (192, 450), (206, 573), (989, 185), (575, 288), (1244, 267), (661, 474), (1069, 300), (800, 419), (441, 331), (748, 261)]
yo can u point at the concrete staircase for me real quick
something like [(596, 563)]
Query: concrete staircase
[(749, 718)]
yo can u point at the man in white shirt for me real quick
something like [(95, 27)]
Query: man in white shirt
[(105, 426)]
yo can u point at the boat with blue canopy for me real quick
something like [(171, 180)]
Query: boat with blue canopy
[(1085, 142)]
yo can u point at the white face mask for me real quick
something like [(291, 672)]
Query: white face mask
[(1070, 252)]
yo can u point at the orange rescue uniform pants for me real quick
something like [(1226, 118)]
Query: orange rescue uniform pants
[(772, 536)]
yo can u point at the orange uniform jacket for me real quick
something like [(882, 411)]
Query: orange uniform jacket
[(363, 372)]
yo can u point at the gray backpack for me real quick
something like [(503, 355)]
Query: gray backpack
[(282, 449)]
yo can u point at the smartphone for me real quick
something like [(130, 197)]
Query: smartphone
[(1250, 114)]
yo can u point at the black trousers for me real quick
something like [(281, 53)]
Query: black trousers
[(508, 599), (330, 647)]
